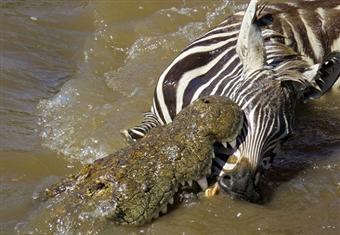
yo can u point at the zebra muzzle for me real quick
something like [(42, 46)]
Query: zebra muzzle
[(241, 182)]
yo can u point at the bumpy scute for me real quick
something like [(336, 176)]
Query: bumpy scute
[(136, 183)]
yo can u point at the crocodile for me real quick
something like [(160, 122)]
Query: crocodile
[(135, 184)]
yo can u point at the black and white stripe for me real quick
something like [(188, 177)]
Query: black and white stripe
[(149, 121), (296, 38)]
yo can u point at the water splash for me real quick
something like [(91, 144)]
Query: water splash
[(115, 81)]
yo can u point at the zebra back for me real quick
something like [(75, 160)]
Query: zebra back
[(301, 32)]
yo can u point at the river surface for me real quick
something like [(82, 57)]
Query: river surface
[(74, 73)]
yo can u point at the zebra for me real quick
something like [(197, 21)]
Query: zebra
[(266, 59)]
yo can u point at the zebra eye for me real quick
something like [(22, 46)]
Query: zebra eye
[(266, 164)]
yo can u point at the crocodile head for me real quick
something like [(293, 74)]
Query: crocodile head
[(136, 183)]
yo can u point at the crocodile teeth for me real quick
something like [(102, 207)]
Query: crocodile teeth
[(233, 144), (224, 144), (237, 154), (212, 155), (203, 183), (164, 210), (190, 183), (229, 166), (171, 201)]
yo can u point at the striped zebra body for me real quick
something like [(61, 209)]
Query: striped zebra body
[(297, 39), (210, 65)]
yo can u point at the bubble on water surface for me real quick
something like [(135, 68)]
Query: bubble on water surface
[(33, 18)]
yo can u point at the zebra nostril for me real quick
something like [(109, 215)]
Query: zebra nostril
[(225, 183), (227, 177), (266, 163)]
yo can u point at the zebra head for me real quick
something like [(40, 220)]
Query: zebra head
[(268, 95), (264, 76)]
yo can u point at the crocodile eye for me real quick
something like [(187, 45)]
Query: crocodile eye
[(99, 185), (145, 188)]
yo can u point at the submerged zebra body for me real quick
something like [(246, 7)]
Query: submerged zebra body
[(266, 60)]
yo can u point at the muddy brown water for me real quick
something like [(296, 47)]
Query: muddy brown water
[(73, 73)]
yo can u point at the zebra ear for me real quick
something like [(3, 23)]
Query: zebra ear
[(323, 76), (250, 45), (317, 79)]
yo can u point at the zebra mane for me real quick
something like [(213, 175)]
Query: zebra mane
[(278, 55), (287, 63)]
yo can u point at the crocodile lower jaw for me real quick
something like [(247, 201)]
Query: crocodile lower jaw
[(201, 181)]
